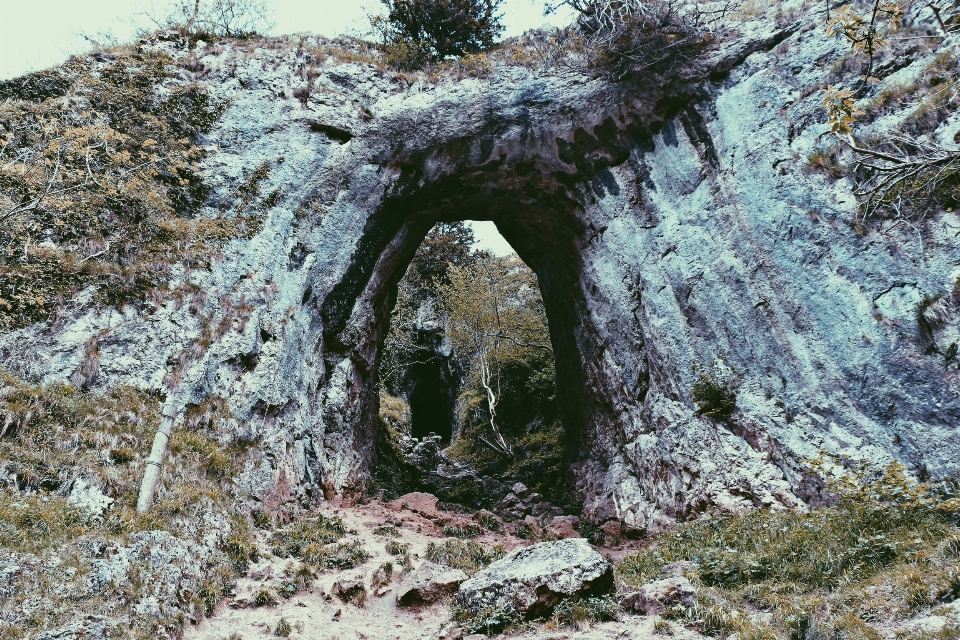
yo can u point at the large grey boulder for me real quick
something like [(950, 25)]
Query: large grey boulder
[(530, 581), (428, 583)]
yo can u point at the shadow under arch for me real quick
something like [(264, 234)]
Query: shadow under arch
[(537, 215)]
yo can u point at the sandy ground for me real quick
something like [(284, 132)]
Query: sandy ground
[(315, 615)]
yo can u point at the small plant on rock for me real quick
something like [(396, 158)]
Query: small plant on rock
[(283, 629), (582, 612), (396, 548), (715, 393)]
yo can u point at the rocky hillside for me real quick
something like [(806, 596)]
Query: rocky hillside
[(213, 232)]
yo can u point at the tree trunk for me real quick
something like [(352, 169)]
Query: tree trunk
[(193, 18)]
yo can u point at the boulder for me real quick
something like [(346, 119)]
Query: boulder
[(531, 581), (562, 527), (350, 591), (428, 583), (424, 504), (656, 597)]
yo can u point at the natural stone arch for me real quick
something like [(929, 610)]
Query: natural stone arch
[(682, 230), (546, 233)]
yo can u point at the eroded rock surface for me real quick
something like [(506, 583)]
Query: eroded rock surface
[(530, 581), (670, 223)]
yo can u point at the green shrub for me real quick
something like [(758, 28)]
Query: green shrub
[(488, 618), (714, 394), (345, 554), (36, 521), (387, 530), (662, 628), (417, 31), (882, 527), (264, 597), (462, 531), (487, 520), (397, 548), (293, 541), (580, 612), (524, 531)]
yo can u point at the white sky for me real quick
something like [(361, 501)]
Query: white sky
[(37, 34), (490, 239)]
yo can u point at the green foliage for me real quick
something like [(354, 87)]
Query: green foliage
[(33, 522), (884, 534), (662, 628), (466, 555), (487, 520), (387, 529), (417, 31), (524, 531), (497, 323), (715, 393), (264, 597), (307, 538), (382, 576), (51, 434), (488, 618)]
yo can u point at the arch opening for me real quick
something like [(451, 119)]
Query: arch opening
[(539, 215), (469, 355)]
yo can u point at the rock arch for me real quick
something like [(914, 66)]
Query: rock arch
[(669, 225)]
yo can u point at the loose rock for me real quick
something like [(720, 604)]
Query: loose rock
[(656, 597), (530, 581), (428, 583)]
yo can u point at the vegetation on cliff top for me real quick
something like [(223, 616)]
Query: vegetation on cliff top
[(100, 184)]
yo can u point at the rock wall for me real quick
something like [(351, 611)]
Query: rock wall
[(670, 223)]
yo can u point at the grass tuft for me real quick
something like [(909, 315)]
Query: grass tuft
[(465, 555)]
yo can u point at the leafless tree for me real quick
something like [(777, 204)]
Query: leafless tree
[(907, 178), (229, 18)]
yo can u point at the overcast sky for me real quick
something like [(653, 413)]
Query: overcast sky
[(36, 34)]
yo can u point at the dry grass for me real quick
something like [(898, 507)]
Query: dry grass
[(99, 183), (53, 434), (878, 553)]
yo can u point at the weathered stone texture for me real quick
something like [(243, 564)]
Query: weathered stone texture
[(671, 224)]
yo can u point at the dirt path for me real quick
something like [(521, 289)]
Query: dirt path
[(314, 614)]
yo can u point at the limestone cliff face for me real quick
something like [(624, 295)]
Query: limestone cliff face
[(670, 225)]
